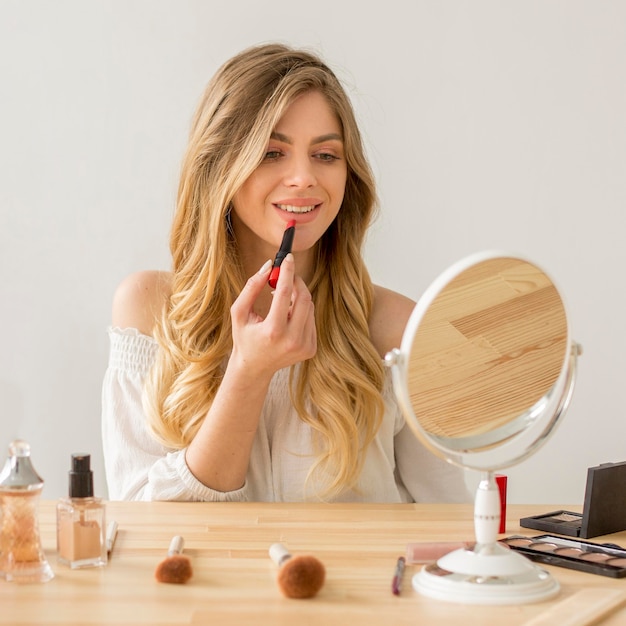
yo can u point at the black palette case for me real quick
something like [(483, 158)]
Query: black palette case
[(604, 510)]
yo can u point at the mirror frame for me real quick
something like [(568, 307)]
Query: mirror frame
[(536, 432)]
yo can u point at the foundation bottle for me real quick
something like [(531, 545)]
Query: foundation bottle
[(81, 536), (22, 558)]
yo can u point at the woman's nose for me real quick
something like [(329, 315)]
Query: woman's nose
[(300, 173)]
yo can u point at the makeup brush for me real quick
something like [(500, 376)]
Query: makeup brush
[(111, 536), (175, 568), (299, 576)]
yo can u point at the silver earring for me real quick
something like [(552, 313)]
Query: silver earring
[(229, 221)]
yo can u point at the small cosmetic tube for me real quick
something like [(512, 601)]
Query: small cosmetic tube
[(81, 530), (501, 481)]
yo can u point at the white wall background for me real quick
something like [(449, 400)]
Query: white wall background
[(490, 124)]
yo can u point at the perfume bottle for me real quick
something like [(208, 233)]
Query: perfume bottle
[(81, 533), (22, 558)]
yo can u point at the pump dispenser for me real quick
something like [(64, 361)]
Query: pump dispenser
[(81, 538)]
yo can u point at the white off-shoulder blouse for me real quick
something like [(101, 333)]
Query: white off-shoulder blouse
[(397, 468)]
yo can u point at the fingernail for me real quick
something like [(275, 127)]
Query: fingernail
[(266, 266)]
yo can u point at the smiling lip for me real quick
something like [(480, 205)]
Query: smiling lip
[(298, 205)]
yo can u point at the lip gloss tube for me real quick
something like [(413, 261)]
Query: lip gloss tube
[(283, 251)]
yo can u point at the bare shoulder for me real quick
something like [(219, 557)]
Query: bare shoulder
[(139, 300), (390, 314)]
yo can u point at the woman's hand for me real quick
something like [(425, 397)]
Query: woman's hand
[(219, 454), (286, 335)]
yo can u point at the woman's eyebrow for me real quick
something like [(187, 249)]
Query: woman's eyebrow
[(320, 139)]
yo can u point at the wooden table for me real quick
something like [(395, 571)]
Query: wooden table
[(234, 579)]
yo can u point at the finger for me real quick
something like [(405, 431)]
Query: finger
[(302, 306), (302, 318), (310, 332), (281, 302), (251, 291)]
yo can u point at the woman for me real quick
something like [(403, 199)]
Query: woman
[(219, 388)]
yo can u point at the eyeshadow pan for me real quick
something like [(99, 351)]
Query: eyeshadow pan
[(617, 562), (543, 546), (596, 557), (568, 551), (518, 541), (566, 516)]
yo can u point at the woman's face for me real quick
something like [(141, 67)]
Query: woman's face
[(302, 177)]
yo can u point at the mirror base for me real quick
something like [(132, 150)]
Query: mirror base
[(486, 561), (534, 585)]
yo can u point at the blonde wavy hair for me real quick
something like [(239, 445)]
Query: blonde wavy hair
[(337, 392)]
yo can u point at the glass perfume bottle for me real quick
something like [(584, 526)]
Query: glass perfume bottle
[(22, 558), (81, 533)]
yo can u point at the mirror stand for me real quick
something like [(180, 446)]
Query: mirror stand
[(492, 573), (489, 573), (484, 374)]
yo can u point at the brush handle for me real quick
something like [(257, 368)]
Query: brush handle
[(279, 554), (111, 535), (176, 546)]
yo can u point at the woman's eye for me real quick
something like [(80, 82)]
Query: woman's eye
[(326, 156), (272, 155)]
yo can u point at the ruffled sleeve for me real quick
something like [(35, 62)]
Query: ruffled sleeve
[(138, 467)]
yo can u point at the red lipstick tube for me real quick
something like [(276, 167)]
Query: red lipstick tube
[(501, 481), (283, 251)]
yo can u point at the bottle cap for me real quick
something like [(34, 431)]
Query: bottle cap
[(18, 472), (81, 477)]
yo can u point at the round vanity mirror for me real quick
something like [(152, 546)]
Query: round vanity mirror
[(485, 370)]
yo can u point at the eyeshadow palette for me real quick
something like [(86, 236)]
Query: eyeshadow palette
[(604, 510), (561, 522), (584, 556)]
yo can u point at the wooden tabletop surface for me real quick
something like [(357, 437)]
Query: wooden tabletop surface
[(234, 580)]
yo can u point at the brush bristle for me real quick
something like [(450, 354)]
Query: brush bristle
[(174, 569), (301, 576)]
